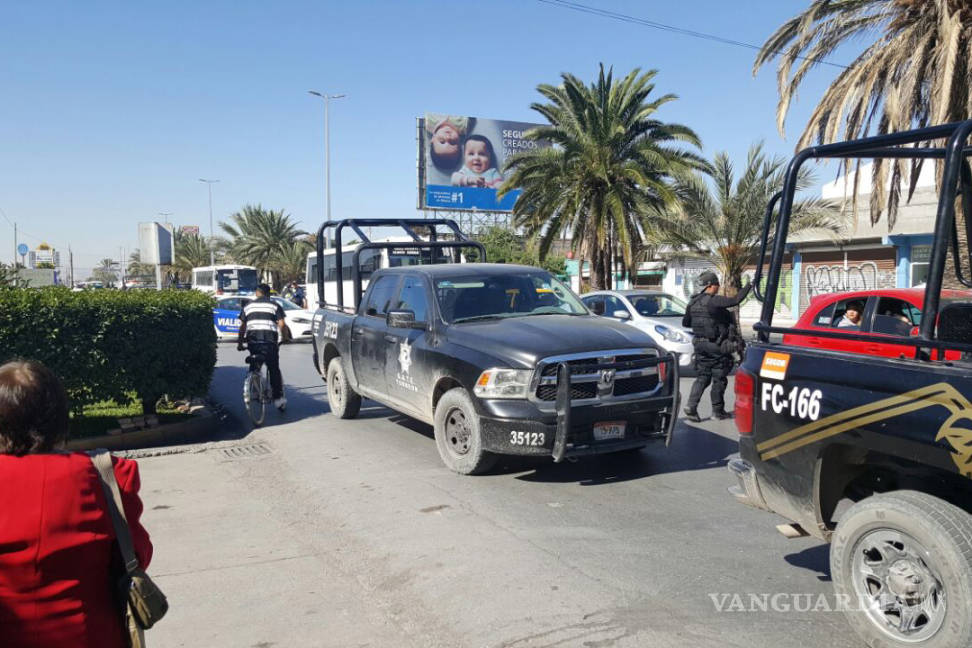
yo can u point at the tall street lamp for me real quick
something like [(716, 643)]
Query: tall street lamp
[(212, 235), (327, 156)]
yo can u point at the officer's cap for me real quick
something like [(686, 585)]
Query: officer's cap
[(708, 279)]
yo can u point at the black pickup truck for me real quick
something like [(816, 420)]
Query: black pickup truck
[(873, 454), (500, 359)]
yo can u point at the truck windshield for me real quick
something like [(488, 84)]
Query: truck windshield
[(463, 298)]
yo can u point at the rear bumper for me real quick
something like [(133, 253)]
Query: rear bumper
[(747, 490)]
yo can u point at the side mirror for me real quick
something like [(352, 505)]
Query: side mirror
[(621, 314), (403, 319)]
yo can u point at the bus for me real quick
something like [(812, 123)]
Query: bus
[(371, 260), (225, 279)]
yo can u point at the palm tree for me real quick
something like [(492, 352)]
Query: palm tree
[(106, 272), (722, 222), (291, 263), (611, 162), (260, 237), (917, 72), (191, 251), (137, 269)]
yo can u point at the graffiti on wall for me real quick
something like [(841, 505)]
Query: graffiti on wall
[(825, 279), (751, 308)]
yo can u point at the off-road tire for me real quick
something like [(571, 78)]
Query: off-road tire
[(458, 435), (941, 530), (344, 401)]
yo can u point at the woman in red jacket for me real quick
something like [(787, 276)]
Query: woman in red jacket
[(58, 560)]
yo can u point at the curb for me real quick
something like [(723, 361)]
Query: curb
[(184, 432)]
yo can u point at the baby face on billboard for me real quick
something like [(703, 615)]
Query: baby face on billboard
[(477, 156), (445, 142)]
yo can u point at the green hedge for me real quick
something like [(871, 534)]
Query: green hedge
[(107, 344)]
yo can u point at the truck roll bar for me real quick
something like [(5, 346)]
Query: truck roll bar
[(903, 145), (432, 245)]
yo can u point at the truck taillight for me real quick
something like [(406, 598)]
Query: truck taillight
[(745, 384)]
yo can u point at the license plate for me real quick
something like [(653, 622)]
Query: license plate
[(609, 430)]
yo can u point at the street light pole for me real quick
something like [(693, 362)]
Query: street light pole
[(212, 236), (327, 156)]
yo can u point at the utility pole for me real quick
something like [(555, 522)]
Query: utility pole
[(327, 156), (212, 236), (16, 270), (71, 265)]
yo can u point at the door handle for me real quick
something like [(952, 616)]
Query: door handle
[(873, 348), (391, 338)]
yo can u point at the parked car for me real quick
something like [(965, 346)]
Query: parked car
[(656, 313), (893, 312), (226, 318)]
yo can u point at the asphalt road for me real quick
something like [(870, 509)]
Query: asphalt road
[(339, 533)]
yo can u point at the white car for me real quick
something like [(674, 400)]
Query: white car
[(656, 313), (226, 318)]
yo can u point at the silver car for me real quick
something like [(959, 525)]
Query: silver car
[(656, 313)]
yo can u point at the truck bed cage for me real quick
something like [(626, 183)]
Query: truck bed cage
[(957, 177), (434, 243)]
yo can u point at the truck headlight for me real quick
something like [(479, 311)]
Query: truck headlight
[(503, 383), (670, 334)]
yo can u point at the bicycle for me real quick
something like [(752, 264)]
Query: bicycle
[(256, 389)]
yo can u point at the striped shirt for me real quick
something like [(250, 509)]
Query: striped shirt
[(258, 320)]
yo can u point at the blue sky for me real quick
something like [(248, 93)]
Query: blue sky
[(109, 112)]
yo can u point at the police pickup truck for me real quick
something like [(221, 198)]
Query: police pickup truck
[(499, 359), (873, 454)]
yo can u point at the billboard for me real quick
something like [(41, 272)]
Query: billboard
[(155, 243), (191, 230), (461, 161)]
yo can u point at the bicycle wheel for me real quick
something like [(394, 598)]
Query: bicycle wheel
[(253, 397)]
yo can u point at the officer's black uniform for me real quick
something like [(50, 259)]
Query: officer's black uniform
[(710, 321)]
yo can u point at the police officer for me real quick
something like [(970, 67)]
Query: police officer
[(712, 328)]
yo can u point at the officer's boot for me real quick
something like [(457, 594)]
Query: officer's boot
[(692, 414), (721, 414)]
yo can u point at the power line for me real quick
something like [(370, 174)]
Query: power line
[(634, 20)]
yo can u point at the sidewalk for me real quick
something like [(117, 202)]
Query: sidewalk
[(241, 571)]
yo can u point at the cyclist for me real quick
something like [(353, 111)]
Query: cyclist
[(261, 327)]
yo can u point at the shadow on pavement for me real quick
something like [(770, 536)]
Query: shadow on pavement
[(815, 558), (692, 449)]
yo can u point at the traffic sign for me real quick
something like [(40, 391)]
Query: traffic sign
[(22, 249)]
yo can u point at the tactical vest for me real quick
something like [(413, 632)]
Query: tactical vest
[(703, 325)]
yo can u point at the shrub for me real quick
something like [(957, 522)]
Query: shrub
[(108, 344)]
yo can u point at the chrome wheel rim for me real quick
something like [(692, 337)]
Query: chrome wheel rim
[(457, 432), (898, 585)]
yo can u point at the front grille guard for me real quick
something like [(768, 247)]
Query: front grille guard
[(563, 402)]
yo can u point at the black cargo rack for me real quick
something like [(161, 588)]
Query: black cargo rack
[(454, 240), (957, 180)]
